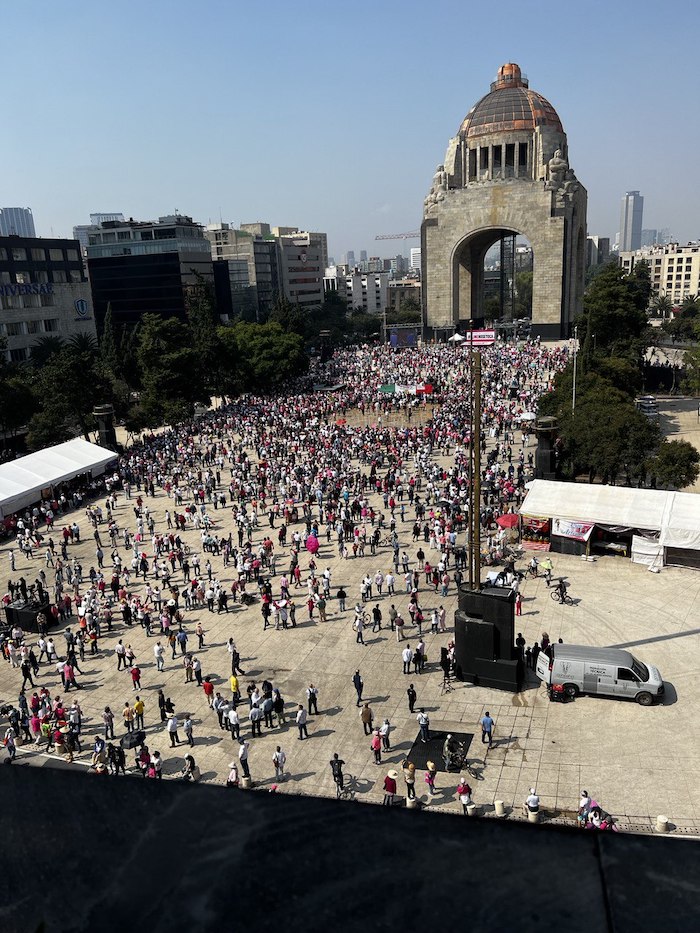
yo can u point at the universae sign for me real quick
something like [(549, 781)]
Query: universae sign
[(29, 288)]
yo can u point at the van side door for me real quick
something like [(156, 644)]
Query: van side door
[(626, 683)]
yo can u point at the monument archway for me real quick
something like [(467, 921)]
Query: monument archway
[(506, 172)]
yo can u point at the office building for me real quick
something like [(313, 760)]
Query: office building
[(631, 221), (363, 255), (82, 232), (415, 258), (302, 265), (43, 291), (17, 221), (674, 269), (138, 267), (252, 295), (597, 251), (360, 292), (350, 259), (403, 290)]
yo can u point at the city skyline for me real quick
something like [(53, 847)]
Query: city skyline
[(350, 148)]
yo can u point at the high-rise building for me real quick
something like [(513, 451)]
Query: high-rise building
[(650, 237), (415, 258), (631, 221), (138, 267), (350, 258), (43, 291), (363, 255), (17, 221)]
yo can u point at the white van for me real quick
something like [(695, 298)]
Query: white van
[(605, 671)]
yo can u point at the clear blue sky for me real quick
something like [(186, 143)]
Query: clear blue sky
[(332, 116)]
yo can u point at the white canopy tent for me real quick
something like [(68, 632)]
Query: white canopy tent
[(456, 338), (674, 516), (22, 481)]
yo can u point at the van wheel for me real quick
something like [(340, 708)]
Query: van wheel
[(571, 690), (644, 699)]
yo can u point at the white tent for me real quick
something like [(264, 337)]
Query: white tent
[(22, 481), (675, 516), (456, 338)]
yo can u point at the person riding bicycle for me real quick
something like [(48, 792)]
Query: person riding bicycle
[(336, 764), (560, 589), (449, 751)]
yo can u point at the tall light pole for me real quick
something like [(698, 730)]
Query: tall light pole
[(573, 392)]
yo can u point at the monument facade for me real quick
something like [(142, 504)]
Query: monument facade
[(505, 173)]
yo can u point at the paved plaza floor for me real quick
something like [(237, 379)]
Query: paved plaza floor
[(637, 762)]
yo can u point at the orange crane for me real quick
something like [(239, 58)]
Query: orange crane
[(398, 236)]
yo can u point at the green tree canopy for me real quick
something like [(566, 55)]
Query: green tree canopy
[(268, 356), (171, 372), (614, 319), (676, 464)]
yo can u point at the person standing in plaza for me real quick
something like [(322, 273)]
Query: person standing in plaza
[(159, 653), (161, 706), (139, 709), (301, 719), (412, 697), (424, 724), (409, 776), (487, 725), (390, 788), (376, 745), (172, 730), (128, 716), (358, 684), (384, 732), (279, 760), (312, 699), (359, 627), (136, 677), (243, 750), (367, 717), (188, 727), (407, 657), (430, 775), (108, 720)]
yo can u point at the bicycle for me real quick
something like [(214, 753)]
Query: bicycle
[(348, 790), (562, 597)]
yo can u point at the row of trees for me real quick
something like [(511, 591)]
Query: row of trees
[(153, 374), (604, 435)]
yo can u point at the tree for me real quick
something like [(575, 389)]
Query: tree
[(676, 464), (45, 348), (691, 371), (171, 374), (614, 318), (661, 306), (289, 316), (269, 357), (203, 320), (17, 403), (108, 345)]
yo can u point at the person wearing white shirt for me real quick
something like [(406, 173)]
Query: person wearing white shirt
[(234, 724), (407, 655), (301, 718), (532, 802)]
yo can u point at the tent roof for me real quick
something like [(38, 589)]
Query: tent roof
[(22, 480), (676, 515)]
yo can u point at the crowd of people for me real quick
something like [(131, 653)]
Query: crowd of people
[(228, 514)]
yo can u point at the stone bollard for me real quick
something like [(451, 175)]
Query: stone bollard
[(533, 816), (246, 783), (411, 803), (471, 809), (661, 824), (499, 808)]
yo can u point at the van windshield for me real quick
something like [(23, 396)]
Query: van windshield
[(641, 670)]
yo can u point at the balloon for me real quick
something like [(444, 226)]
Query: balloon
[(311, 544)]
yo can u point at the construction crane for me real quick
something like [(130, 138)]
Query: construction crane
[(398, 236)]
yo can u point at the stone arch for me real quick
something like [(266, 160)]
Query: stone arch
[(467, 268)]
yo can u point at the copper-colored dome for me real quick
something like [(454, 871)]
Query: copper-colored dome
[(510, 105)]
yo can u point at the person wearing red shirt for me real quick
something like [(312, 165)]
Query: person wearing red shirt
[(389, 788), (208, 688), (136, 677)]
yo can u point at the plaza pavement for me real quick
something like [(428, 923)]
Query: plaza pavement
[(637, 762)]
